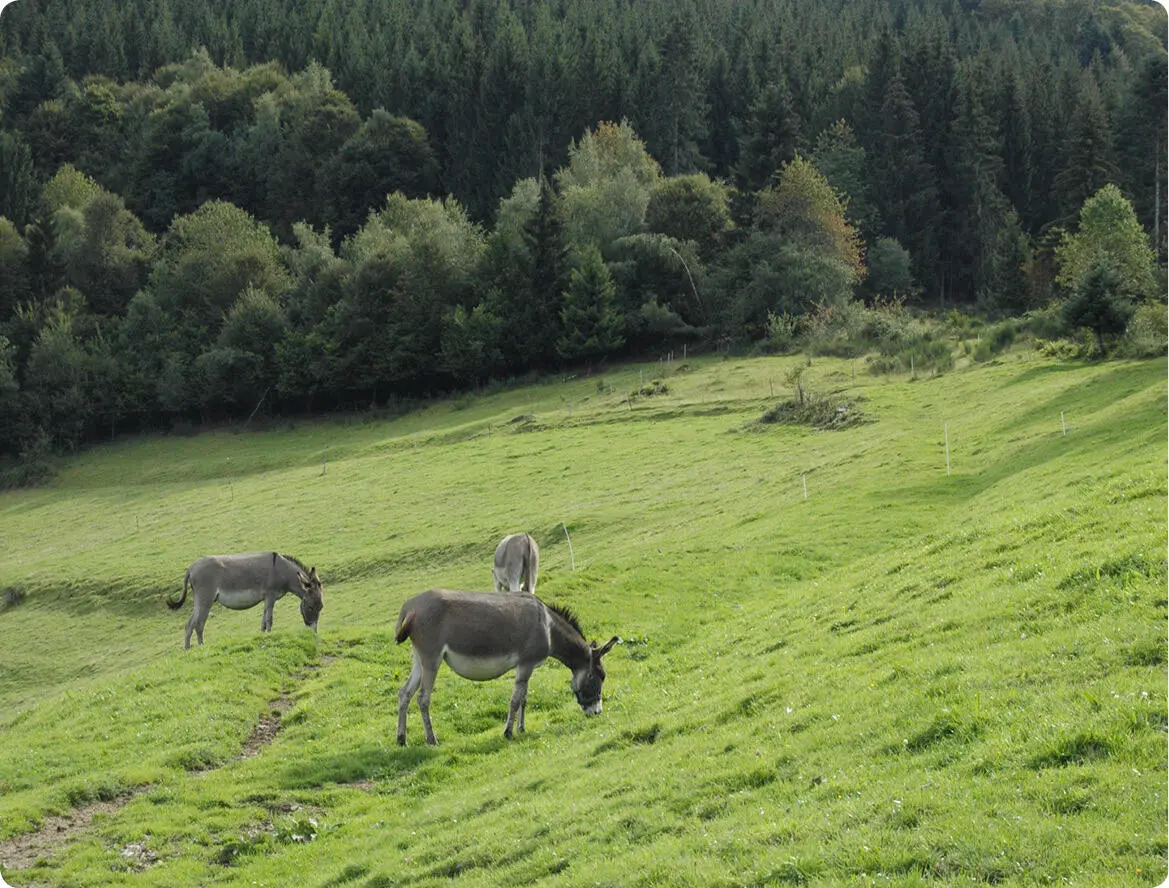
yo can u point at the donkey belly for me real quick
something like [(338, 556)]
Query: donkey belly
[(480, 668), (240, 599)]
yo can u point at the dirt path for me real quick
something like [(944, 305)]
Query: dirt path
[(21, 852)]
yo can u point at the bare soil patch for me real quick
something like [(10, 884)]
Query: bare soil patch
[(267, 728), (21, 852)]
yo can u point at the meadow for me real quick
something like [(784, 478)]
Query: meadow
[(928, 648)]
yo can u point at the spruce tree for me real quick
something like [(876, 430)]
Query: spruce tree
[(1097, 304), (770, 138), (1089, 164), (904, 183), (547, 275), (975, 208), (589, 318)]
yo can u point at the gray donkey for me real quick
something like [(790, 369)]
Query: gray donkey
[(517, 561), (242, 581), (482, 635)]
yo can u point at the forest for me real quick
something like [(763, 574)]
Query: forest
[(213, 209)]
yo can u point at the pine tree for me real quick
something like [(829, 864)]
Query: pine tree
[(1145, 144), (546, 274), (770, 138), (18, 188), (904, 183), (975, 209), (841, 160), (1090, 163), (1018, 156), (591, 323), (678, 101), (1097, 304)]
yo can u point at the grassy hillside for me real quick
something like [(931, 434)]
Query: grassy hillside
[(910, 677)]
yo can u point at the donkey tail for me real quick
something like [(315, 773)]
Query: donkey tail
[(405, 624), (175, 605)]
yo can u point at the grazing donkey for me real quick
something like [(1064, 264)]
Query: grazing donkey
[(243, 581), (481, 636), (517, 561)]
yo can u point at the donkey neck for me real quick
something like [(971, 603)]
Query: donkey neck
[(288, 570), (566, 643)]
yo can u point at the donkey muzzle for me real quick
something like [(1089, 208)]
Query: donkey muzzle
[(592, 708)]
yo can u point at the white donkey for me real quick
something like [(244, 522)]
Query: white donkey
[(517, 561), (242, 581), (481, 635)]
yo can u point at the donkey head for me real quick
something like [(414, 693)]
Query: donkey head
[(587, 681), (313, 599)]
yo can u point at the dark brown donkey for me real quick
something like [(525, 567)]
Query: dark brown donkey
[(482, 635)]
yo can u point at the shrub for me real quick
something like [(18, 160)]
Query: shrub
[(994, 340), (783, 332), (651, 388), (1147, 335), (925, 355)]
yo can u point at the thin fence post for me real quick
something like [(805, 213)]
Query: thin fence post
[(324, 464), (1063, 424), (571, 557), (947, 431), (805, 486)]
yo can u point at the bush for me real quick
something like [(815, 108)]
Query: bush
[(851, 330), (783, 331), (994, 340), (1147, 335), (651, 388), (921, 356), (819, 411)]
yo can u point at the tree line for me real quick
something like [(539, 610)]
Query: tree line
[(351, 202)]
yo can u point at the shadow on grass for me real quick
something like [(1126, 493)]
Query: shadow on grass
[(1098, 436), (1092, 395), (368, 762)]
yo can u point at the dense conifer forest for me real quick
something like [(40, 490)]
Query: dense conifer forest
[(209, 209)]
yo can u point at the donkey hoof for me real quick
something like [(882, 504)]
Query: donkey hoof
[(401, 739), (508, 734)]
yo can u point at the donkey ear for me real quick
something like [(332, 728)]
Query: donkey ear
[(601, 651), (312, 573)]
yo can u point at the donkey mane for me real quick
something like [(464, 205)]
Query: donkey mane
[(294, 560), (569, 616)]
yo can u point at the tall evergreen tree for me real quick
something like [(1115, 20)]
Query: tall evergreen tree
[(905, 184), (975, 209), (1018, 154), (18, 189), (1145, 143), (547, 274), (770, 137), (841, 160), (678, 100), (1089, 164), (589, 318)]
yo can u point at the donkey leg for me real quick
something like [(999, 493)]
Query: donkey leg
[(429, 673), (190, 628), (266, 618), (404, 695), (519, 699), (199, 618)]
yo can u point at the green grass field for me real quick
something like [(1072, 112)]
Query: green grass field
[(910, 677)]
